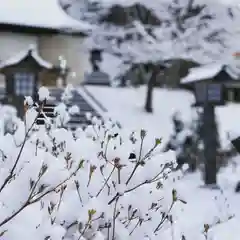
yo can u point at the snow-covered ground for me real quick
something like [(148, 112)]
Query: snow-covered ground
[(126, 105)]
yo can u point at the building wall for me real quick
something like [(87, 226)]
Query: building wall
[(50, 47), (13, 43), (71, 48)]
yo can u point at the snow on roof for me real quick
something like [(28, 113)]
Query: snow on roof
[(39, 13), (23, 54), (207, 71)]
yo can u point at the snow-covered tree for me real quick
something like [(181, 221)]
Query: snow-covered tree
[(186, 141), (196, 29), (143, 32)]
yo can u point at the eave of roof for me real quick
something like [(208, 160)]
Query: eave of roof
[(44, 14), (208, 71), (22, 55)]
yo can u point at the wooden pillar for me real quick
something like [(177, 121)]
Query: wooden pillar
[(210, 144)]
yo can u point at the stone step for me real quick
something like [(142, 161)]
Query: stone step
[(97, 78), (78, 100), (75, 120)]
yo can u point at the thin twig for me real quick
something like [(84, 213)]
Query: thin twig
[(138, 222), (164, 218), (18, 157), (85, 229), (78, 192), (154, 179), (114, 218), (141, 159), (29, 201), (106, 181), (54, 188)]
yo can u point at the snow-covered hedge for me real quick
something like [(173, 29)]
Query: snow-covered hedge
[(97, 183)]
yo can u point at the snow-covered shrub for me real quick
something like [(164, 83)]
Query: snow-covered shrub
[(63, 113), (9, 120), (187, 141), (98, 183)]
